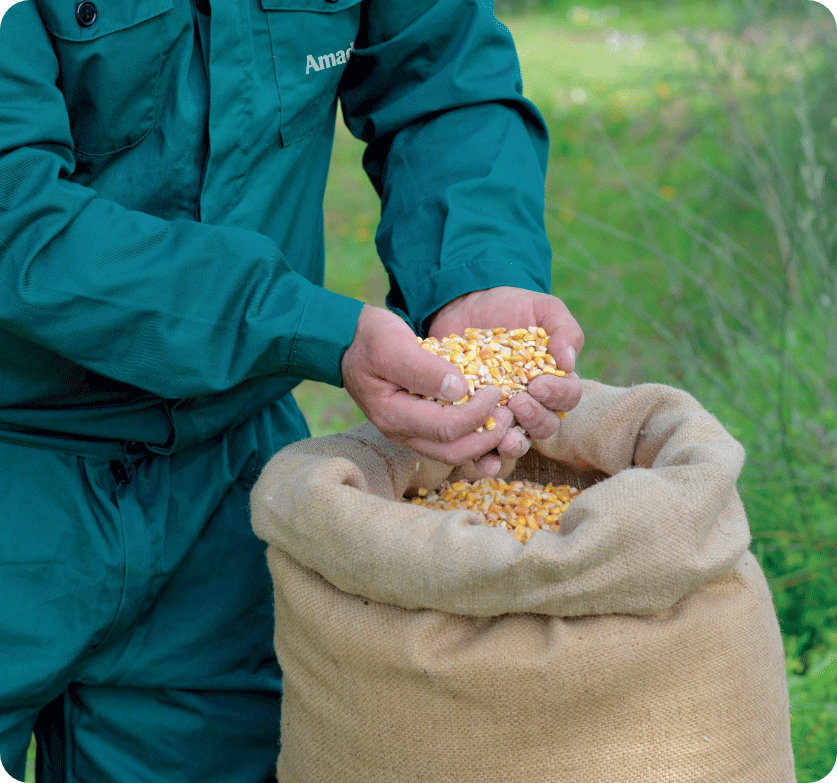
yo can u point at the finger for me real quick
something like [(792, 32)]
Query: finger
[(555, 393), (408, 365), (538, 421), (386, 348), (472, 446), (565, 346), (407, 416), (490, 464), (514, 444), (566, 339)]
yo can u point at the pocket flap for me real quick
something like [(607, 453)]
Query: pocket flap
[(317, 6), (112, 15)]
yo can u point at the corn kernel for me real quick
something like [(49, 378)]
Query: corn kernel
[(497, 357), (520, 507)]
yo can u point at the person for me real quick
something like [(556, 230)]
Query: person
[(162, 171)]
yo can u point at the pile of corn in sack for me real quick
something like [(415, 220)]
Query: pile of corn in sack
[(520, 506), (636, 642)]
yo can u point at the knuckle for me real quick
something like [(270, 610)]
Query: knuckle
[(545, 428), (514, 445), (445, 429)]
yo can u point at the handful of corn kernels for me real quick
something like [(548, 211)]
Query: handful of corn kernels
[(520, 506), (496, 357)]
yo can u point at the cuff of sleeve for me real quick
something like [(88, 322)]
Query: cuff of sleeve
[(447, 284), (326, 329)]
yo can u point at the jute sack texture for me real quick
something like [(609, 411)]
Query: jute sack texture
[(637, 644)]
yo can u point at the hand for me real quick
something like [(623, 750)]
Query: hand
[(384, 359), (512, 308)]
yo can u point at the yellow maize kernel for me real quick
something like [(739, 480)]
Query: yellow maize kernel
[(497, 357), (521, 507)]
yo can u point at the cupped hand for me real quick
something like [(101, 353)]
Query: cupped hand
[(385, 360), (512, 308)]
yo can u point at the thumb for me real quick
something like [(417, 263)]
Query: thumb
[(423, 372), (399, 358)]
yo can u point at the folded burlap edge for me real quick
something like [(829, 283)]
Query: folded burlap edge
[(660, 517)]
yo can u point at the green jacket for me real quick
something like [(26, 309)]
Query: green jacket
[(161, 183)]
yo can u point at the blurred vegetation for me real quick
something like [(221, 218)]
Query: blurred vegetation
[(691, 205)]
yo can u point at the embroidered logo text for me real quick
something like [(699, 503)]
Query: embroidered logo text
[(340, 57)]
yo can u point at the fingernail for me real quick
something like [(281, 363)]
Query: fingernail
[(572, 355), (453, 388), (489, 464)]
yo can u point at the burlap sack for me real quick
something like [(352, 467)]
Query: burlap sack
[(638, 644)]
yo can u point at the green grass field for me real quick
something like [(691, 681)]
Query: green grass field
[(691, 203)]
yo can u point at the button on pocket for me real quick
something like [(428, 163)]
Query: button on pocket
[(312, 42), (110, 58), (86, 13)]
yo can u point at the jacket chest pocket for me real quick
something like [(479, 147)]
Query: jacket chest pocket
[(312, 42), (110, 54)]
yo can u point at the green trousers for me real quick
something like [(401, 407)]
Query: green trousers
[(136, 612)]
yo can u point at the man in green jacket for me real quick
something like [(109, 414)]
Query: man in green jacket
[(162, 169)]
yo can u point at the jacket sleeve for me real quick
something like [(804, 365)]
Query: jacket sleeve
[(177, 308), (455, 151)]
